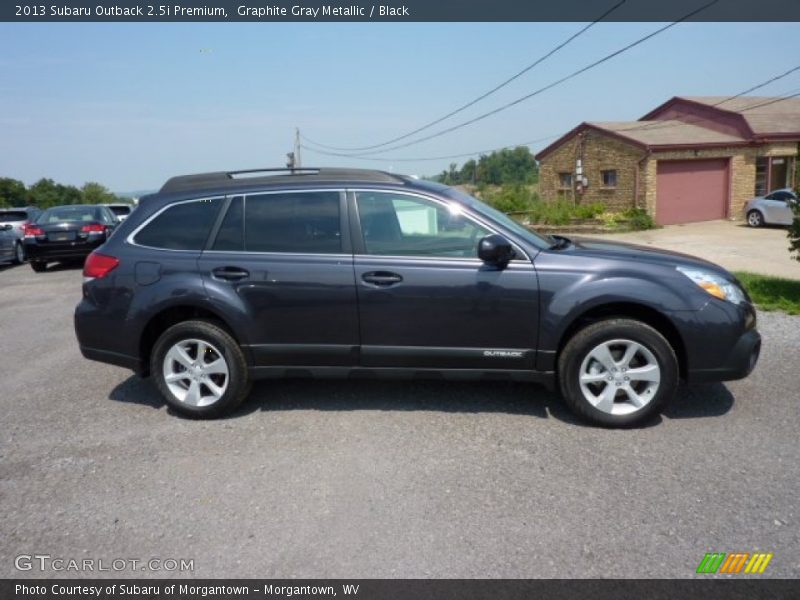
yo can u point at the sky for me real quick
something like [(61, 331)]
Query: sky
[(131, 104)]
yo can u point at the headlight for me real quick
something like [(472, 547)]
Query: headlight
[(717, 286)]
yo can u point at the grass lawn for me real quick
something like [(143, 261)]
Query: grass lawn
[(772, 293)]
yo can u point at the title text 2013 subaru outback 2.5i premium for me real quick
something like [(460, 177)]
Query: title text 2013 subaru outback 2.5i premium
[(219, 279)]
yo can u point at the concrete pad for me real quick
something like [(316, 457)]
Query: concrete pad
[(730, 244)]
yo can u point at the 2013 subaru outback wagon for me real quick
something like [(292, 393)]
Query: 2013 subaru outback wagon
[(222, 278)]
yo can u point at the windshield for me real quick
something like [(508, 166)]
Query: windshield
[(69, 213), (501, 218)]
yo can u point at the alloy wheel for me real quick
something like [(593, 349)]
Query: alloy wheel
[(619, 377), (195, 372)]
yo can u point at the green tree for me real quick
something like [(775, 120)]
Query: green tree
[(44, 193), (94, 193), (12, 192), (503, 167)]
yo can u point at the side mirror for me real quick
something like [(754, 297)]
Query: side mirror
[(496, 250)]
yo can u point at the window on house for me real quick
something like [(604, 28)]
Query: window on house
[(609, 178), (565, 180), (762, 163)]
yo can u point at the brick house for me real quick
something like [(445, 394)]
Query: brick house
[(690, 159)]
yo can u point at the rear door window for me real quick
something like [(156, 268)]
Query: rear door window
[(293, 222), (184, 226)]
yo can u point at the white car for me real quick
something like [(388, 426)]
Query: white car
[(776, 208), (121, 210)]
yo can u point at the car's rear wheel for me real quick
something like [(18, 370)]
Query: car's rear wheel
[(19, 254), (755, 218), (199, 369), (617, 372), (39, 266)]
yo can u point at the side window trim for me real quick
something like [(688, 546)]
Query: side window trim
[(131, 239), (223, 211), (359, 246)]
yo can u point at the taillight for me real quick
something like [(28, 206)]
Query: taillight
[(93, 228), (31, 230), (98, 265)]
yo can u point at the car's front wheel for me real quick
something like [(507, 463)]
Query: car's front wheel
[(755, 218), (199, 369), (617, 372)]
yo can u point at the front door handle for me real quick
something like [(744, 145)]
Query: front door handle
[(230, 273), (382, 278)]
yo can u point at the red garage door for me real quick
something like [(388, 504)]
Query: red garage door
[(691, 190)]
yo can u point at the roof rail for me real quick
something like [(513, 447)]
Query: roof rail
[(249, 177)]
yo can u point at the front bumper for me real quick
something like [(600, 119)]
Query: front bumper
[(740, 362), (722, 342)]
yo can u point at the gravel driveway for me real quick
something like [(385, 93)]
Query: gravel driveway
[(382, 479), (728, 243)]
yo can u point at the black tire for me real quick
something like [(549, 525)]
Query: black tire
[(19, 254), (39, 266), (577, 350), (755, 218), (238, 382)]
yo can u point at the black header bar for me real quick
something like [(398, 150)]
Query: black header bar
[(393, 10)]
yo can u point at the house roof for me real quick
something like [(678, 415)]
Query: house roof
[(653, 135), (763, 114), (760, 118), (666, 133)]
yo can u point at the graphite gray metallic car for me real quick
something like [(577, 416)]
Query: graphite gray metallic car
[(776, 208), (221, 278)]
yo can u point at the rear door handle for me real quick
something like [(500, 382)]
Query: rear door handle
[(230, 273), (382, 278)]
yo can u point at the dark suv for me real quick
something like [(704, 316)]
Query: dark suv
[(222, 278)]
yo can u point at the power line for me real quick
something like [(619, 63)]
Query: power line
[(649, 126), (479, 98), (542, 89), (427, 158), (785, 96)]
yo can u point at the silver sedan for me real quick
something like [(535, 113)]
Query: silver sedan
[(776, 208)]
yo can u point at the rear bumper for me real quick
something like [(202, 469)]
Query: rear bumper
[(112, 358), (92, 331), (37, 251), (740, 362)]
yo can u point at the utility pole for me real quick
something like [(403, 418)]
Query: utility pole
[(297, 160)]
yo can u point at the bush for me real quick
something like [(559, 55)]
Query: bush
[(794, 233), (508, 199), (639, 219), (562, 212)]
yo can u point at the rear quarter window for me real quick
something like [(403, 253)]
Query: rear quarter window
[(184, 226)]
